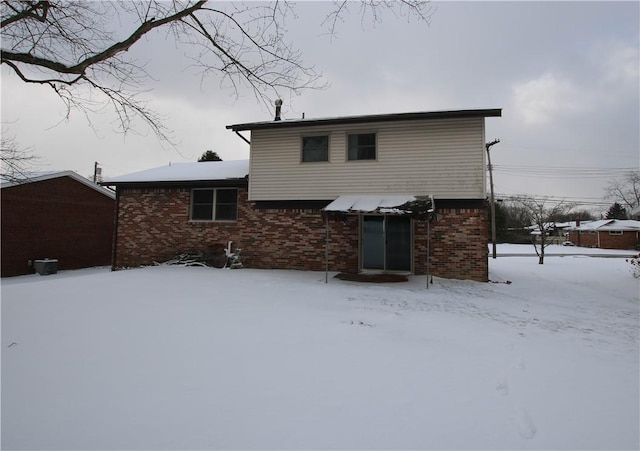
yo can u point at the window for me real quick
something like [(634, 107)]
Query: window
[(615, 232), (214, 204), (362, 146), (315, 148)]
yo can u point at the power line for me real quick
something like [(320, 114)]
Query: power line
[(564, 172)]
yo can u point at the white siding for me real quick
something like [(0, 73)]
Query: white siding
[(443, 157)]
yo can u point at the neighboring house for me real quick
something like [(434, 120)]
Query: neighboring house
[(606, 234), (635, 213), (556, 232), (347, 194), (59, 216)]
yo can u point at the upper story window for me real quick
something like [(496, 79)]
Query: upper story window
[(362, 146), (214, 204), (315, 148)]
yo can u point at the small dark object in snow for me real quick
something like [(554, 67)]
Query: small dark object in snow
[(506, 282), (374, 278), (12, 344), (360, 323)]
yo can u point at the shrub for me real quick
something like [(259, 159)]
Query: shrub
[(635, 266)]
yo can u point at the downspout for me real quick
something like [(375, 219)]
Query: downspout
[(114, 243)]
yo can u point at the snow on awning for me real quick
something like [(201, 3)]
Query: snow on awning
[(386, 204)]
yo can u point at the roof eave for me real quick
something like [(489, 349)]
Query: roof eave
[(175, 183), (455, 114)]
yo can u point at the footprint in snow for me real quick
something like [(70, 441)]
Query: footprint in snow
[(526, 427)]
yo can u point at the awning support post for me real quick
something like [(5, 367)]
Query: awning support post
[(428, 242), (326, 248)]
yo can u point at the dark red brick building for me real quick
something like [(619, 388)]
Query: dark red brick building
[(59, 216), (607, 234)]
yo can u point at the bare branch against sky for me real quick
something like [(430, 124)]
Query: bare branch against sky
[(566, 75), (71, 46)]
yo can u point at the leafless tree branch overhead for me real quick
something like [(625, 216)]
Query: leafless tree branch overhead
[(75, 46)]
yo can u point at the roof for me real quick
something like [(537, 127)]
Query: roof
[(609, 225), (187, 172), (53, 175), (455, 114)]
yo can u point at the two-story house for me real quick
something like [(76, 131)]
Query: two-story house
[(341, 193)]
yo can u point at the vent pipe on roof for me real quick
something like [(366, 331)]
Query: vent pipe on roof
[(278, 109)]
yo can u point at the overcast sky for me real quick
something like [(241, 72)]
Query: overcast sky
[(565, 74)]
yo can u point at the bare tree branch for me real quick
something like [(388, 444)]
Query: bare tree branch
[(14, 161), (626, 190), (543, 213), (76, 47)]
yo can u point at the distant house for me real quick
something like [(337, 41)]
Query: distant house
[(635, 212), (59, 216), (606, 234), (351, 194)]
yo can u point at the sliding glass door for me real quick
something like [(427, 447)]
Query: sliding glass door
[(386, 243)]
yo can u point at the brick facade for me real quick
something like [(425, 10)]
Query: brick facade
[(59, 218), (628, 240), (154, 225)]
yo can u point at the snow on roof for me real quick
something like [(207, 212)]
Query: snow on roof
[(182, 172), (609, 225), (369, 203), (41, 177)]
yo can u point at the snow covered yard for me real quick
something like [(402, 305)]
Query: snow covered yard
[(199, 358)]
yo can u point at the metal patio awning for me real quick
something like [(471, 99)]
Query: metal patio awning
[(417, 207), (399, 204)]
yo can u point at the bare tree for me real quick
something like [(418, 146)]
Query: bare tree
[(79, 48), (14, 160), (543, 214), (626, 190)]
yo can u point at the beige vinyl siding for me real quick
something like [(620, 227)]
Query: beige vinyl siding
[(443, 157)]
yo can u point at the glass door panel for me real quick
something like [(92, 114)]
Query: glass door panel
[(373, 242), (398, 243)]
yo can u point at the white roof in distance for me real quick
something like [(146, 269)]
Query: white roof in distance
[(184, 172), (610, 224)]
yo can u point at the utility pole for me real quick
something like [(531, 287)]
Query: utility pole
[(493, 202)]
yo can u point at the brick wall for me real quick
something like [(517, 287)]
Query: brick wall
[(154, 226), (628, 240), (459, 244), (58, 218)]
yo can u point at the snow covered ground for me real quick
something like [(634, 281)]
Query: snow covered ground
[(199, 358)]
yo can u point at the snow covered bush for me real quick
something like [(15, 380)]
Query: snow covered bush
[(635, 266)]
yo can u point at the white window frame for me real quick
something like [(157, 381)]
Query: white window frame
[(615, 232)]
